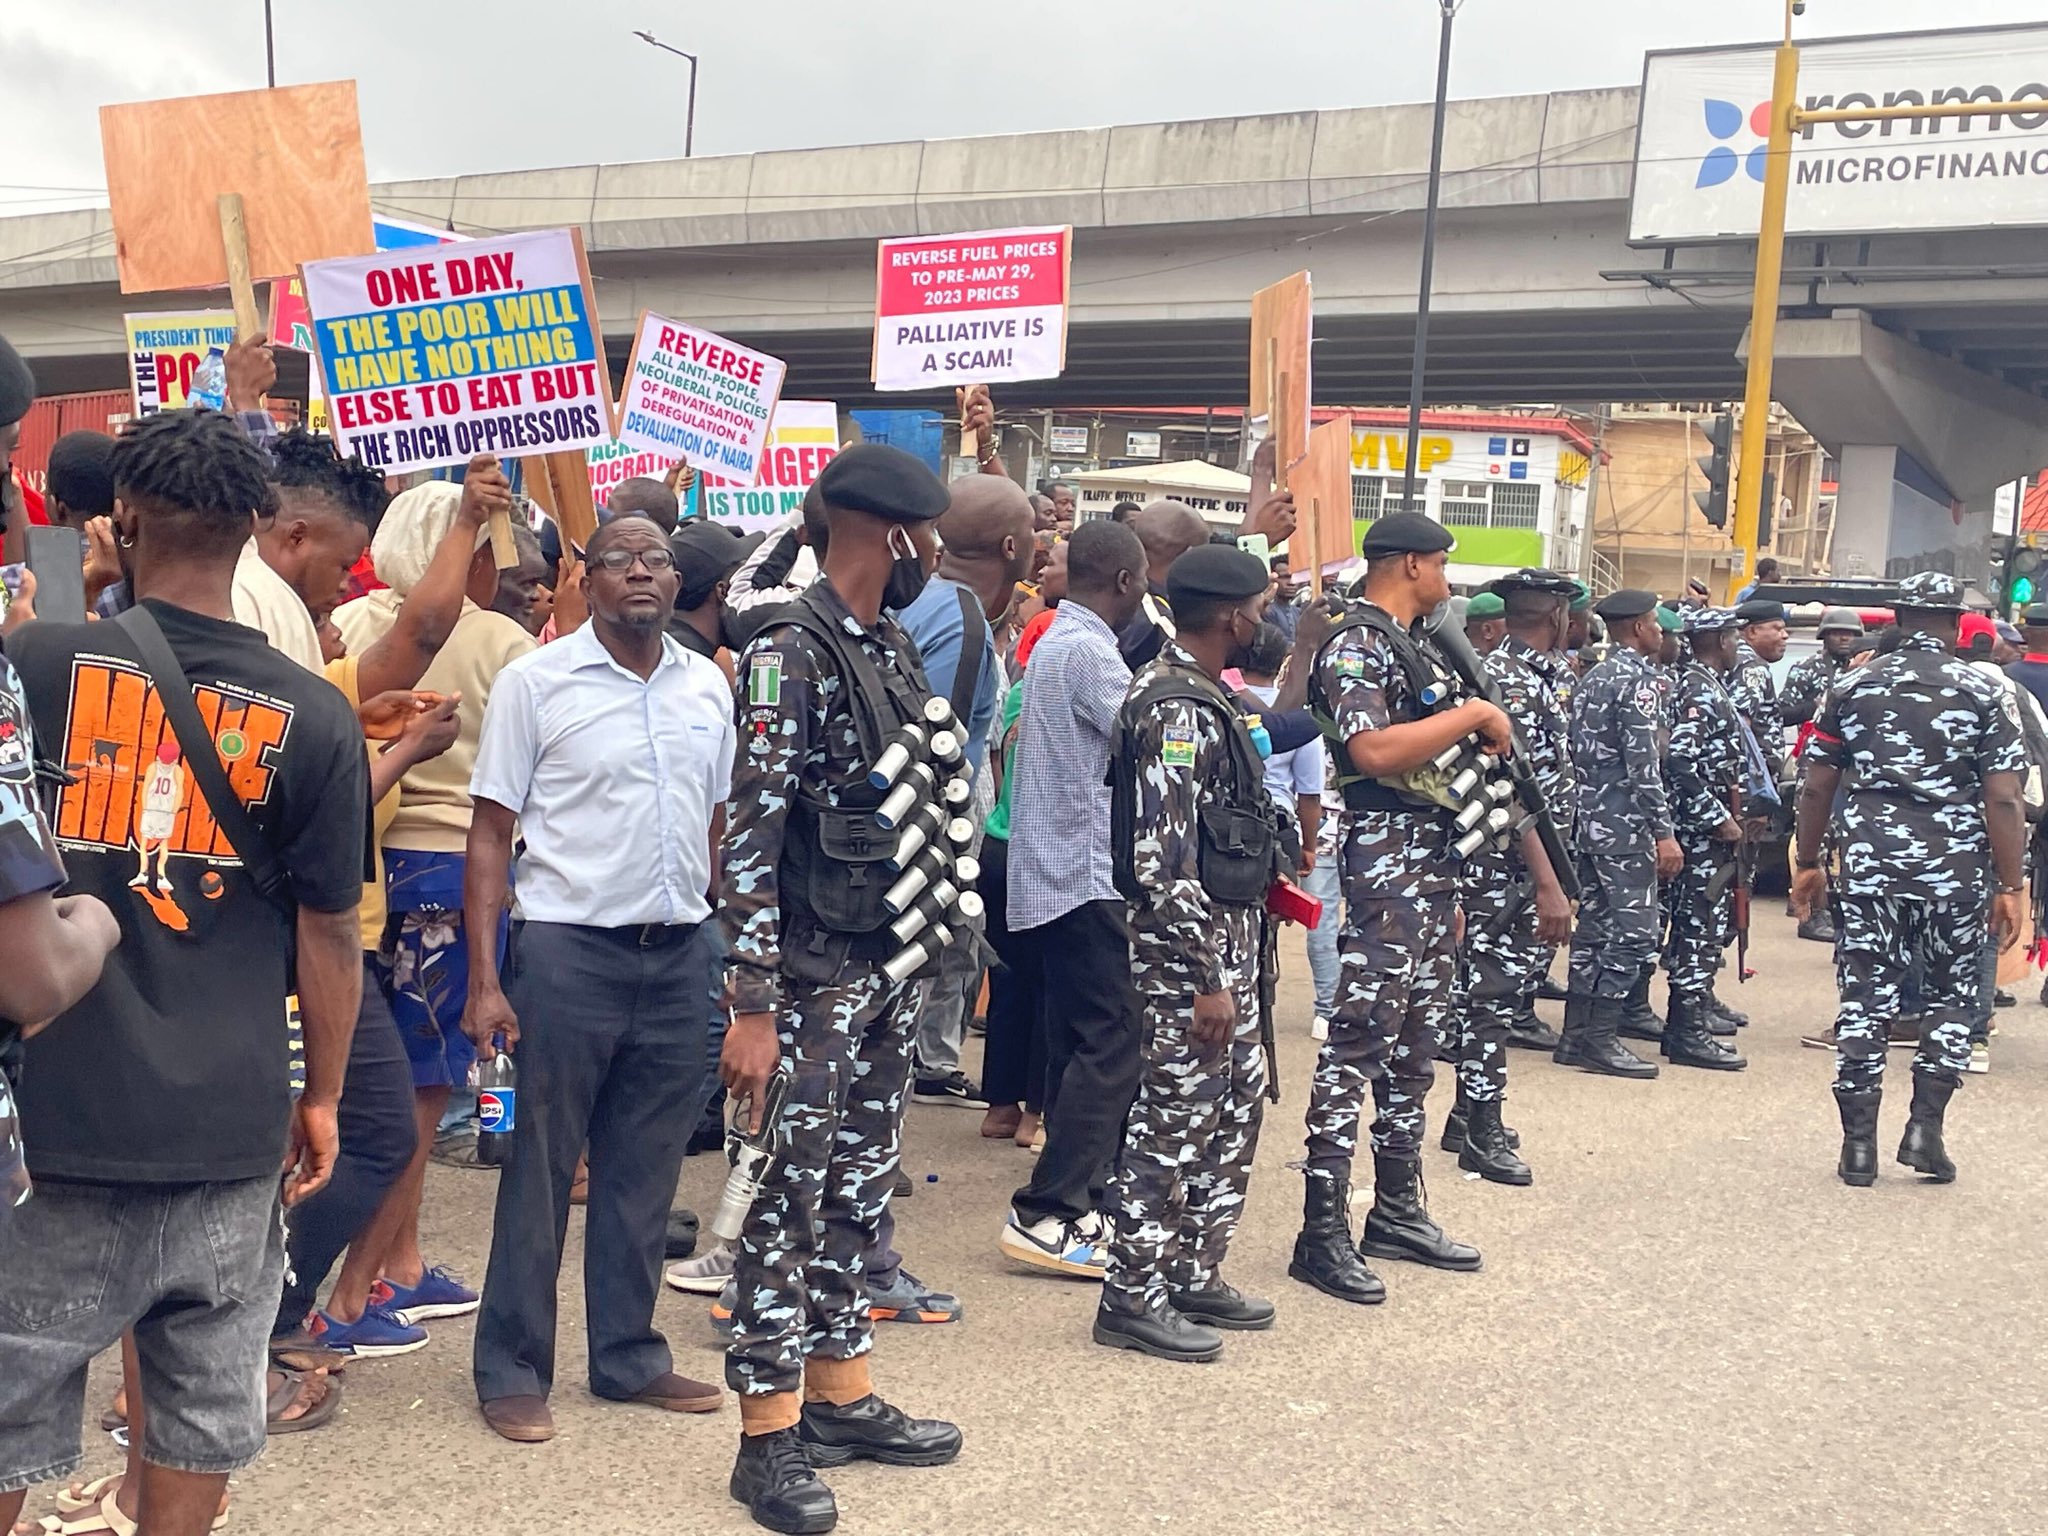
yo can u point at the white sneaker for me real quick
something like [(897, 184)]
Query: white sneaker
[(1056, 1245), (1319, 1028), (704, 1275), (1980, 1057)]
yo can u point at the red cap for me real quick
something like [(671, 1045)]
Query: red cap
[(1973, 625)]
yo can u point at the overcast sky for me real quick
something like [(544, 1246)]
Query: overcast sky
[(452, 86)]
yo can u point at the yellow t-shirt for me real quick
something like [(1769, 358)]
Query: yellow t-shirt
[(370, 913), (433, 815)]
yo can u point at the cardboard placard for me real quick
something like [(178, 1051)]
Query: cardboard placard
[(611, 465), (295, 154), (165, 350), (431, 355), (1321, 484), (801, 441), (982, 308), (698, 397), (1282, 319)]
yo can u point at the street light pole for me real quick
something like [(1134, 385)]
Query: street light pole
[(269, 48), (1436, 171), (690, 112)]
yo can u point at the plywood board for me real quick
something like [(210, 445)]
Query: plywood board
[(295, 154), (1281, 323), (1322, 497), (560, 482)]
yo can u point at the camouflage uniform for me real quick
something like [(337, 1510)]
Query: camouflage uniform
[(1702, 768), (1396, 957), (846, 1037), (1617, 756), (1756, 700), (1501, 961), (1188, 1144), (1914, 734), (1805, 686), (1555, 668)]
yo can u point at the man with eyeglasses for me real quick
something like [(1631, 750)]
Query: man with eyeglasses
[(612, 750)]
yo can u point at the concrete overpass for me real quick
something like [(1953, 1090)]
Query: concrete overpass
[(1539, 297)]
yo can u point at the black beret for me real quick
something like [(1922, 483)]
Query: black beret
[(2035, 616), (1406, 533), (883, 481), (17, 385), (1528, 580), (706, 553), (1216, 573), (1760, 610), (1630, 603)]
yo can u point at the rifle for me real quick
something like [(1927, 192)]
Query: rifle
[(1269, 994), (1745, 857), (1452, 645)]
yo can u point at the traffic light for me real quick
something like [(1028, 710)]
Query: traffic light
[(1713, 501), (2024, 575)]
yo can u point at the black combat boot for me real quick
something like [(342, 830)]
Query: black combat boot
[(1549, 991), (1529, 1032), (1686, 1042), (1859, 1137), (1399, 1226), (869, 1429), (1717, 1018), (1453, 1138), (1323, 1255), (773, 1478), (1219, 1304), (1921, 1149), (1818, 925), (1599, 1051), (1638, 1019), (1489, 1148), (1577, 1010), (1159, 1331)]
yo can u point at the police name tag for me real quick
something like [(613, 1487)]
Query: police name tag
[(764, 678), (1178, 749)]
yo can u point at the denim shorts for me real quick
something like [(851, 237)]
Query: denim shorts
[(194, 1269), (428, 956)]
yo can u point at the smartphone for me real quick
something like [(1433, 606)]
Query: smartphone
[(1255, 544), (57, 557)]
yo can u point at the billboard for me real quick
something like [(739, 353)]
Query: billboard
[(1705, 116)]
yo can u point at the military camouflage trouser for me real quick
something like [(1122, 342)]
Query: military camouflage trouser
[(1698, 930), (1187, 1154), (1497, 970), (797, 1264), (1874, 937), (1619, 917), (1393, 1002)]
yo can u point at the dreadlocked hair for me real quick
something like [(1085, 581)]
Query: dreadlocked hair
[(195, 469), (302, 460)]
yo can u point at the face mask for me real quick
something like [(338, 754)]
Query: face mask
[(1239, 655), (906, 575)]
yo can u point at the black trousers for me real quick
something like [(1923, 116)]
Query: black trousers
[(1093, 1025), (611, 1051), (378, 1134), (1013, 1054)]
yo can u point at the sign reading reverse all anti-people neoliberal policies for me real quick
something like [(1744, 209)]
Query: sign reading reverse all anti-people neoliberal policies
[(698, 398), (432, 355), (983, 308)]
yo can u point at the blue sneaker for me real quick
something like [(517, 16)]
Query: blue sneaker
[(370, 1337), (439, 1294)]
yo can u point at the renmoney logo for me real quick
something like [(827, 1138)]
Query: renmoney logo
[(1724, 121)]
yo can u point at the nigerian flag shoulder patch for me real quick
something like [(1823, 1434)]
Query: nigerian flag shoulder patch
[(764, 678)]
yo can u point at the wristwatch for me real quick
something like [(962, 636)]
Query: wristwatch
[(1799, 863)]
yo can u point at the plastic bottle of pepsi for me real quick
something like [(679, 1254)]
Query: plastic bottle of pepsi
[(210, 381), (497, 1106)]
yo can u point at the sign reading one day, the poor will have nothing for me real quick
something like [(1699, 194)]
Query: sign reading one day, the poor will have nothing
[(984, 308), (699, 398), (432, 355)]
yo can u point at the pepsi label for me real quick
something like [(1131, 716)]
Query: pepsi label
[(495, 1108)]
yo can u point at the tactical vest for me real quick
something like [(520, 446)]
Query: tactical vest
[(834, 856), (1432, 686), (1237, 845)]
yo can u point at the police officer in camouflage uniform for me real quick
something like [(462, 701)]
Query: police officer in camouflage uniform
[(1930, 756), (1756, 697), (1624, 837), (1704, 768), (1400, 909), (827, 680), (1185, 778), (1513, 916), (1841, 637)]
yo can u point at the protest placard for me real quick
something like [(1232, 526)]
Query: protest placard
[(698, 397), (983, 308), (1321, 483), (431, 355), (613, 464), (1280, 393), (801, 441), (165, 349)]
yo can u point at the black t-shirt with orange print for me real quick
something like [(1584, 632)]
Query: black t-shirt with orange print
[(175, 1067)]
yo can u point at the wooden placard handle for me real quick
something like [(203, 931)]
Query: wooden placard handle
[(504, 553), (234, 239), (1315, 546)]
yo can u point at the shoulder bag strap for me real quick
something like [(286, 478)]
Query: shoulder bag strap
[(202, 757), (967, 673)]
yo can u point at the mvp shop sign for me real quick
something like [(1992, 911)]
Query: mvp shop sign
[(983, 308), (432, 355), (1700, 155)]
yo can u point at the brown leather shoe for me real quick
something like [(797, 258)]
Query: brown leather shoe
[(679, 1394), (524, 1418)]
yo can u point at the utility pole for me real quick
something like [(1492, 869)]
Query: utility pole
[(1436, 173), (690, 112), (269, 48)]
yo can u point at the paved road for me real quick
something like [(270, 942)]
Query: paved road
[(1687, 1324)]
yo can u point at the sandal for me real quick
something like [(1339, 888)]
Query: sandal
[(102, 1518), (286, 1393), (88, 1495), (300, 1351)]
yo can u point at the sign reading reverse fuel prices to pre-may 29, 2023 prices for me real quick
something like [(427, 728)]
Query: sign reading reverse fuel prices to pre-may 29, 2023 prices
[(985, 308), (433, 355)]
